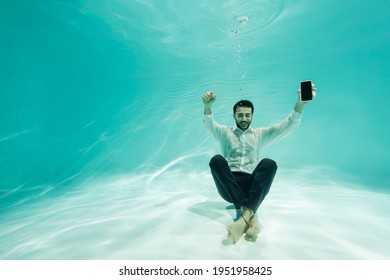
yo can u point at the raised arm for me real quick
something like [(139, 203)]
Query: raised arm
[(208, 99), (283, 128)]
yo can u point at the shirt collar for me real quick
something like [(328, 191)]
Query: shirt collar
[(239, 131)]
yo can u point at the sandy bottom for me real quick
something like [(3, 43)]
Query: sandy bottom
[(174, 216)]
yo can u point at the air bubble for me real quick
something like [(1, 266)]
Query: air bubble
[(234, 33), (242, 19)]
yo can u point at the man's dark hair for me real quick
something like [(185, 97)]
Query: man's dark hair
[(243, 103)]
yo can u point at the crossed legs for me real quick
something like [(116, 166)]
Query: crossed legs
[(246, 191)]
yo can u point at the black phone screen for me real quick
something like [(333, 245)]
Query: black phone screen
[(306, 91)]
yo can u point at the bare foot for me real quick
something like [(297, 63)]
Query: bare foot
[(253, 230), (237, 229)]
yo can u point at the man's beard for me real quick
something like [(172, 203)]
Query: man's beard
[(241, 125)]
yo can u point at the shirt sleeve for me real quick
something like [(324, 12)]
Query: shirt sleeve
[(217, 130), (282, 129)]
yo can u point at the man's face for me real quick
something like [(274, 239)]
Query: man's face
[(243, 117)]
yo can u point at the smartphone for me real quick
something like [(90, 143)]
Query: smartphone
[(306, 91)]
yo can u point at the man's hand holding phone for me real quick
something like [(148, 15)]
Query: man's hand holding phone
[(306, 91)]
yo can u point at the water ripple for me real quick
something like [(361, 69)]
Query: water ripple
[(132, 217)]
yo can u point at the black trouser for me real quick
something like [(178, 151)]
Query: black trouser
[(241, 188)]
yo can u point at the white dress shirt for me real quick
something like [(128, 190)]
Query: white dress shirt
[(240, 148)]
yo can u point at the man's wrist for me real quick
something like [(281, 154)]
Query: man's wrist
[(299, 106), (207, 110)]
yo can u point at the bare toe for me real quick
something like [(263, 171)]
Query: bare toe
[(236, 230), (253, 230), (251, 238)]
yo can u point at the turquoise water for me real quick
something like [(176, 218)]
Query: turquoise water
[(101, 136)]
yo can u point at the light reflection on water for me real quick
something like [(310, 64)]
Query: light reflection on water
[(173, 214)]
